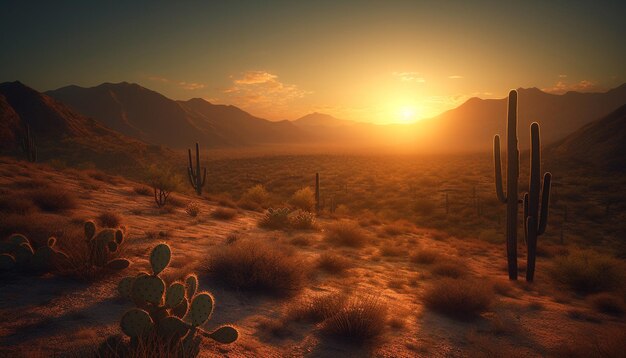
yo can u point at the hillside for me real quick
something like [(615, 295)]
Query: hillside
[(599, 144), (149, 116), (63, 134)]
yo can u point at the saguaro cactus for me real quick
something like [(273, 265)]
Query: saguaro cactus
[(195, 177), (512, 176), (28, 146), (317, 193), (535, 218)]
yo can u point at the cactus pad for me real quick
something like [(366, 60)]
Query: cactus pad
[(23, 252), (136, 323), (201, 309), (175, 294), (172, 328), (224, 334), (192, 285), (125, 286), (112, 246), (17, 240), (160, 258), (149, 289), (119, 237), (181, 310)]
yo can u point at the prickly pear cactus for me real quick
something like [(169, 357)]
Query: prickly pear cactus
[(19, 254), (175, 313), (104, 247)]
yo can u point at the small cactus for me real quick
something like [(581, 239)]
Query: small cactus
[(175, 313), (103, 245), (18, 253), (196, 179)]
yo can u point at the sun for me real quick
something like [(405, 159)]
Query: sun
[(407, 113)]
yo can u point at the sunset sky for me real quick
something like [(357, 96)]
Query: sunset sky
[(380, 61)]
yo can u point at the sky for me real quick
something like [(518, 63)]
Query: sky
[(375, 61)]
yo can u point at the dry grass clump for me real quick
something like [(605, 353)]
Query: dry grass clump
[(607, 303), (16, 204), (192, 209), (425, 256), (224, 213), (346, 233), (588, 271), (301, 241), (53, 199), (361, 320), (333, 263), (453, 269), (460, 299), (303, 220), (303, 199), (257, 266), (255, 198), (275, 219), (398, 227), (317, 308), (109, 219), (392, 251), (608, 344)]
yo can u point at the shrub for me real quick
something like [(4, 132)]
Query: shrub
[(491, 236), (303, 220), (362, 319), (257, 266), (109, 219), (460, 299), (224, 213), (303, 199), (275, 219), (425, 256), (392, 251), (609, 304), (424, 207), (256, 196), (192, 209), (346, 233), (588, 271), (53, 199), (163, 182), (450, 269), (333, 263), (316, 309)]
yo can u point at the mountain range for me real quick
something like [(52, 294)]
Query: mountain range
[(124, 117)]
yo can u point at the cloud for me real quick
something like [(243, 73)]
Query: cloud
[(263, 92), (562, 87), (409, 77), (454, 77), (181, 84), (562, 76)]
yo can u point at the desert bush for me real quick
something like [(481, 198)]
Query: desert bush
[(424, 207), (346, 233), (54, 199), (392, 251), (425, 256), (303, 199), (302, 220), (362, 319), (254, 198), (607, 303), (453, 269), (275, 219), (461, 299), (588, 271), (163, 182), (333, 263), (317, 308), (300, 241), (109, 219), (491, 236), (224, 213), (257, 266), (192, 209)]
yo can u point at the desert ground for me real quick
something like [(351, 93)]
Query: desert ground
[(392, 271)]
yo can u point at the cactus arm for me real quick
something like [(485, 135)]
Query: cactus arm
[(203, 177), (545, 203), (498, 169), (191, 179), (525, 205)]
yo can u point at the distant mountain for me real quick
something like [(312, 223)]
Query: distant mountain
[(61, 133), (599, 144), (472, 125), (321, 119), (148, 115)]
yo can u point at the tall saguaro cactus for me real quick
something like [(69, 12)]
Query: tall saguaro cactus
[(512, 176), (28, 146), (535, 218), (197, 180)]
